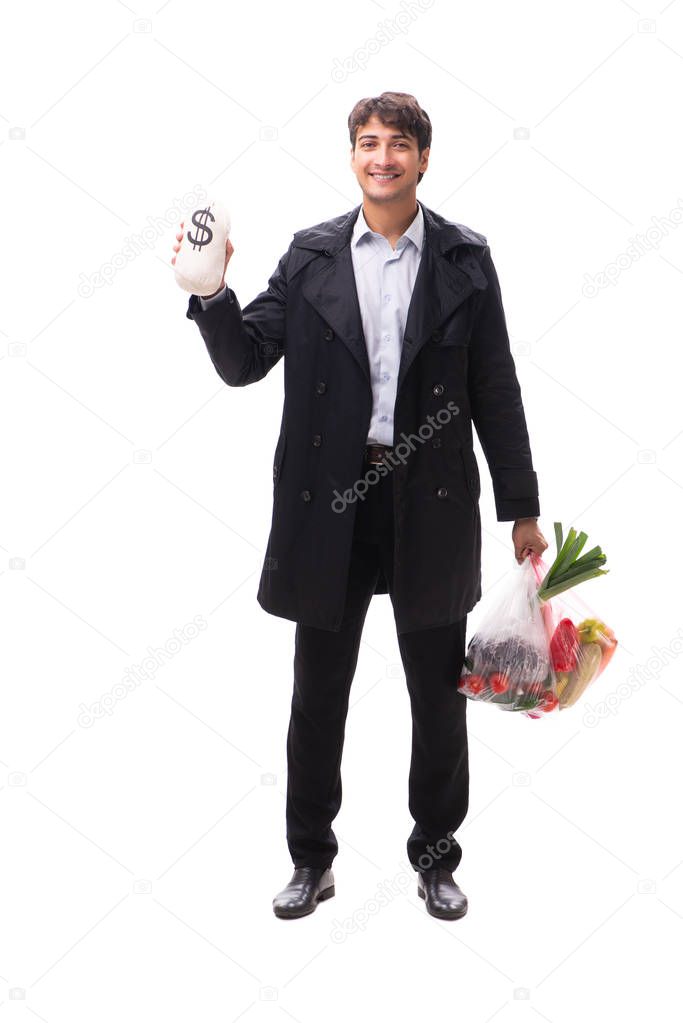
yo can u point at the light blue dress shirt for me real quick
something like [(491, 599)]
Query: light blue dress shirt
[(385, 279)]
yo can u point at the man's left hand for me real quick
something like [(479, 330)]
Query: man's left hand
[(527, 537)]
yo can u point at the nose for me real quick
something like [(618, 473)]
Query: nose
[(385, 164), (383, 154)]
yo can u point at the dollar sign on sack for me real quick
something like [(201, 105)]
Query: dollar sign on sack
[(199, 218)]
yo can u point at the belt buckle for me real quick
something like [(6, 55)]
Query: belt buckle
[(370, 460)]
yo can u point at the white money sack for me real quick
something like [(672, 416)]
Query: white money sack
[(200, 261)]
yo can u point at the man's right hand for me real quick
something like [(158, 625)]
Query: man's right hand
[(228, 253)]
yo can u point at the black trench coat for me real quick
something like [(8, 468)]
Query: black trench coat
[(456, 369)]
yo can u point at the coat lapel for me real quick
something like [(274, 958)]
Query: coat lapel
[(332, 292), (440, 286), (439, 289)]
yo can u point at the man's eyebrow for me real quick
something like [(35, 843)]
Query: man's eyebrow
[(399, 136)]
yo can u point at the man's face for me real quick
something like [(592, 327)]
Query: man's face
[(384, 150)]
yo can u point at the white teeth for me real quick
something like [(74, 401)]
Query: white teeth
[(384, 177)]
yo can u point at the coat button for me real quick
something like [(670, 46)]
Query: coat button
[(437, 335), (274, 472), (437, 389), (317, 440), (442, 492), (436, 443), (306, 495), (320, 387), (328, 334)]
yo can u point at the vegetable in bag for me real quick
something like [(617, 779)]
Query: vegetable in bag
[(535, 651)]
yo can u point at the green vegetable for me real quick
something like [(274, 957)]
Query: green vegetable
[(527, 704), (568, 568)]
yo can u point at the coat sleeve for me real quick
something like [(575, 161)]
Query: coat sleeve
[(496, 404), (244, 345)]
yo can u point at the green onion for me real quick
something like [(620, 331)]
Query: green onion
[(552, 591), (568, 569), (558, 535), (561, 558), (578, 569)]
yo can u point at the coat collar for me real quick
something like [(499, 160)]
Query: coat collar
[(440, 286), (333, 235)]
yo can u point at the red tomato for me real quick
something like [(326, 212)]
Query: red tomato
[(499, 682), (549, 701), (475, 683)]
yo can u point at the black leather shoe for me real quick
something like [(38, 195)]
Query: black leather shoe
[(443, 898), (308, 887)]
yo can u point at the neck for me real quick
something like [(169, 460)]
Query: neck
[(390, 219)]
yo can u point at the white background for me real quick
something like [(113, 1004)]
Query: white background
[(141, 851)]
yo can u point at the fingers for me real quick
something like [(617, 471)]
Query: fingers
[(179, 238)]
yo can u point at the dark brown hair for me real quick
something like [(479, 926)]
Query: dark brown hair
[(396, 110)]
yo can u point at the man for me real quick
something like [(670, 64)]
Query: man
[(392, 327)]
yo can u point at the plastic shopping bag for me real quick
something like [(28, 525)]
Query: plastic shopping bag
[(508, 660), (539, 646)]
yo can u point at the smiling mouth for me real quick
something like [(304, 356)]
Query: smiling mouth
[(384, 177)]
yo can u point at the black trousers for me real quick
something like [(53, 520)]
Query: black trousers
[(324, 666)]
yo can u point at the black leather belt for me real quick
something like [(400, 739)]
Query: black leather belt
[(376, 453)]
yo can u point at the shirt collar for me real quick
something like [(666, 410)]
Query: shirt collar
[(414, 233)]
